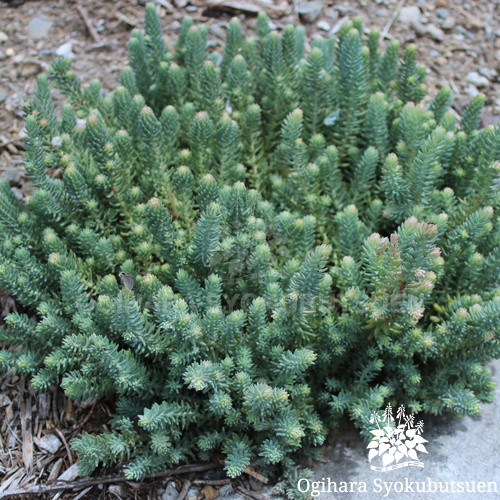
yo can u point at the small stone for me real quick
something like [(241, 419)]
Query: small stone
[(39, 27), (2, 56), (383, 12), (226, 490), (29, 68), (180, 4), (50, 443), (448, 23), (170, 492), (10, 52), (488, 34), (4, 400), (435, 32), (474, 23), (477, 80), (3, 37), (66, 50), (409, 14), (497, 55), (192, 494), (489, 73), (441, 3), (12, 176), (472, 90), (174, 25), (310, 11), (442, 13), (217, 31), (191, 8), (18, 193), (418, 28), (255, 484), (3, 94), (117, 490), (323, 25)]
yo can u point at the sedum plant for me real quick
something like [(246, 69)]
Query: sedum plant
[(305, 238)]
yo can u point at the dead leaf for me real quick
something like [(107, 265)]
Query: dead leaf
[(69, 474), (210, 492), (54, 472)]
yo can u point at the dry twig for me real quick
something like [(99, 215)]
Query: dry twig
[(85, 483), (394, 16), (90, 27), (184, 490)]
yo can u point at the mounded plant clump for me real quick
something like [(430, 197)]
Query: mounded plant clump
[(305, 240)]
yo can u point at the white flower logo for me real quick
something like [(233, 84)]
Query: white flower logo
[(393, 440)]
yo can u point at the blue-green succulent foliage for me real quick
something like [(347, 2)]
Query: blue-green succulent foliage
[(308, 240)]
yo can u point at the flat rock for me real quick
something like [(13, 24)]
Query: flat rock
[(180, 4), (3, 37), (39, 27), (409, 14), (50, 443)]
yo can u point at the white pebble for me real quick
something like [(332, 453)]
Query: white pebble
[(477, 80), (323, 25)]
